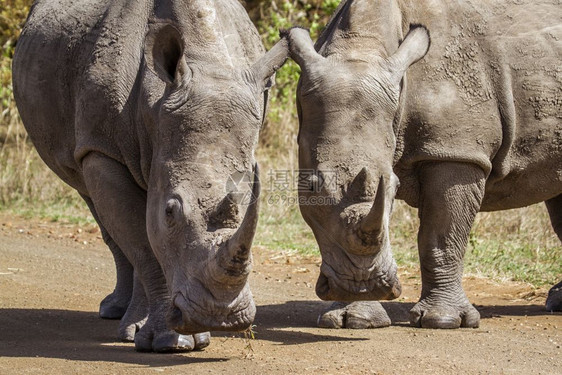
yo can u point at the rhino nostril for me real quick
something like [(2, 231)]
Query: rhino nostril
[(175, 317), (322, 286)]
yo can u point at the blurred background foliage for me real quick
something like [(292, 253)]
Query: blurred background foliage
[(517, 244), (22, 176)]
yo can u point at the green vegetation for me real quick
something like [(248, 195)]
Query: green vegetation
[(517, 244)]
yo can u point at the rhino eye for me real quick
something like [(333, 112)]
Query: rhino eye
[(314, 184), (173, 209)]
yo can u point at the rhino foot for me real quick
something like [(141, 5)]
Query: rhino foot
[(114, 306), (429, 314), (169, 341), (133, 320), (128, 328), (354, 315), (554, 299), (151, 334)]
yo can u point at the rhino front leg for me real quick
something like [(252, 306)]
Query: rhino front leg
[(136, 315), (115, 304), (450, 198), (554, 206), (121, 208)]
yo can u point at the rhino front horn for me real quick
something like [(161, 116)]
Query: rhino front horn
[(373, 222), (234, 258)]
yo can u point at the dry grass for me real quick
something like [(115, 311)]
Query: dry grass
[(281, 225), (27, 186), (506, 245)]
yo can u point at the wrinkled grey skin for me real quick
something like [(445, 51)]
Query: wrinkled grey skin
[(474, 125), (146, 108)]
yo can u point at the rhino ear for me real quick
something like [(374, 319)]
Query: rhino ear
[(414, 47), (163, 52), (302, 48), (263, 70)]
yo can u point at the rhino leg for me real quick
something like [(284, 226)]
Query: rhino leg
[(115, 304), (554, 206), (450, 197), (121, 207), (136, 315), (354, 315)]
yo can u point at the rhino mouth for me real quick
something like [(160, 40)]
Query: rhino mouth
[(189, 315), (332, 286)]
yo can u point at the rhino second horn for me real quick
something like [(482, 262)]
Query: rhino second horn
[(226, 214), (234, 257), (373, 222), (362, 186)]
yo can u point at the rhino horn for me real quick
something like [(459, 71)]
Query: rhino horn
[(226, 213), (361, 186), (373, 222), (234, 257)]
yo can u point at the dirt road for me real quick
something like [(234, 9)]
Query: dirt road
[(53, 276)]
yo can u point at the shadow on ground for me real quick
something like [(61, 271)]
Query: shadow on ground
[(305, 313), (514, 310), (74, 335), (83, 336)]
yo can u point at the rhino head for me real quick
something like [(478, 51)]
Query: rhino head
[(348, 103), (203, 186)]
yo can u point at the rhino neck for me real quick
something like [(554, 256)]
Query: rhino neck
[(367, 28)]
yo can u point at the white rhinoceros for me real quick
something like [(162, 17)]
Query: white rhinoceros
[(146, 108), (475, 125)]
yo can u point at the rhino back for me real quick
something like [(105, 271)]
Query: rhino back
[(78, 70), (45, 67), (488, 92)]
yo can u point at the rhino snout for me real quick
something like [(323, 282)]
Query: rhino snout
[(331, 286), (202, 312)]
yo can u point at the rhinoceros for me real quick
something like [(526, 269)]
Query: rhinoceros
[(467, 121), (147, 108)]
